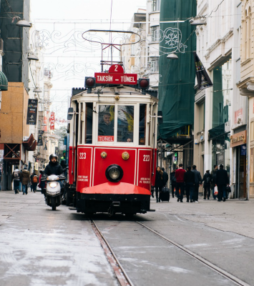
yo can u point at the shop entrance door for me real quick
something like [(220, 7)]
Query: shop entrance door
[(241, 172)]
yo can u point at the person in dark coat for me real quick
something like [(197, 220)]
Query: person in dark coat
[(214, 171), (173, 182), (165, 177), (158, 184), (222, 180), (198, 180), (106, 126), (34, 180), (189, 180), (207, 184), (179, 174), (42, 184), (24, 179), (16, 179), (53, 168)]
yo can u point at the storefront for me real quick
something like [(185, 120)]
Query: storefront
[(238, 144)]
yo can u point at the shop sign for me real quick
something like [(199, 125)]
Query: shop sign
[(32, 112), (238, 139), (52, 121), (238, 116)]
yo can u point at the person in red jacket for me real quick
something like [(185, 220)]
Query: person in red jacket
[(179, 175)]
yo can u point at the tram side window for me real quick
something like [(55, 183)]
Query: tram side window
[(125, 121), (89, 123), (142, 124), (106, 123)]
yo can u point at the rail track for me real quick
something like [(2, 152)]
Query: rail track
[(123, 277)]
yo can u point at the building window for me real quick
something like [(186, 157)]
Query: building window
[(249, 34), (156, 5), (154, 65), (155, 31), (202, 116)]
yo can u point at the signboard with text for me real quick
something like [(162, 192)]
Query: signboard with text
[(115, 78), (52, 121), (32, 112)]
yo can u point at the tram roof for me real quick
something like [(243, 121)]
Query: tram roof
[(113, 91)]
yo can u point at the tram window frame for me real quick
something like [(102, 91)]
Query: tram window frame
[(133, 125), (85, 121), (145, 124), (98, 123)]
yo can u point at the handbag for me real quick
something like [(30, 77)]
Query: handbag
[(228, 189), (216, 191)]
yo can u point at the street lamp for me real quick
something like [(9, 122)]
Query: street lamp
[(172, 56), (198, 21), (24, 23)]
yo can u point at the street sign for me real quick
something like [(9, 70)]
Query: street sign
[(116, 78), (32, 112)]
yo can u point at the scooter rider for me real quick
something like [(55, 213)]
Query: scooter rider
[(53, 168)]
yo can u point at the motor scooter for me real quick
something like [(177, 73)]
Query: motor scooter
[(53, 194)]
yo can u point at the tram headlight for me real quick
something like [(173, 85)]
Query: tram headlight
[(114, 173)]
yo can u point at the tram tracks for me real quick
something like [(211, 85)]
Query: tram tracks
[(124, 279)]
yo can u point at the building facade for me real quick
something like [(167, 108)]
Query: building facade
[(220, 111), (246, 85)]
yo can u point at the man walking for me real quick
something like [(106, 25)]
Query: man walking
[(173, 182), (222, 181), (24, 178), (158, 184), (189, 180), (35, 180), (179, 175), (207, 181), (16, 179), (198, 181)]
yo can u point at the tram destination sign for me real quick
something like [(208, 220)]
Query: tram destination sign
[(116, 78)]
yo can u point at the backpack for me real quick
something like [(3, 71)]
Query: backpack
[(207, 180), (16, 174), (35, 179)]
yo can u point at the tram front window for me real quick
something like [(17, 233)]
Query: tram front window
[(142, 124), (125, 121), (89, 123), (106, 123)]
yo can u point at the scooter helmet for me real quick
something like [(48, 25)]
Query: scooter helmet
[(53, 156)]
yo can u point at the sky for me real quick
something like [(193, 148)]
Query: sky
[(66, 54)]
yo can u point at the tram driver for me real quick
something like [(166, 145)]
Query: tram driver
[(106, 125)]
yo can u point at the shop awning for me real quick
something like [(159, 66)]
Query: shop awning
[(30, 144), (216, 131), (3, 82)]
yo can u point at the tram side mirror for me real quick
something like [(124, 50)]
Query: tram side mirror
[(160, 117), (70, 113)]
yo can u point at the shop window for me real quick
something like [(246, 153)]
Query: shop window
[(155, 31), (89, 123), (125, 123), (106, 123), (156, 5), (222, 93), (142, 124), (154, 65)]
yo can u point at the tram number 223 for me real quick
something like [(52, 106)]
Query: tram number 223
[(146, 158), (82, 156)]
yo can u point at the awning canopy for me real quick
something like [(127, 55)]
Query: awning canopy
[(30, 144), (3, 82)]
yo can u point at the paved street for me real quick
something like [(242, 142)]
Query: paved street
[(40, 247)]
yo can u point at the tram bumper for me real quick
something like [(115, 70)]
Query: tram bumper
[(114, 198)]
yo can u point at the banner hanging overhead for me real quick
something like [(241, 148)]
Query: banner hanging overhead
[(32, 112), (203, 78), (52, 121), (177, 76)]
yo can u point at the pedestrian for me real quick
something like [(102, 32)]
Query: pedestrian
[(63, 163), (179, 174), (25, 179), (16, 179), (207, 184), (165, 177), (198, 180), (34, 180), (42, 184), (213, 173), (173, 182), (189, 180), (158, 183), (222, 180)]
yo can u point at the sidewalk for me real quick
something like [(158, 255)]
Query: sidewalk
[(233, 215)]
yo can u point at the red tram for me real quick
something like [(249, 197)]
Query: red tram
[(112, 153)]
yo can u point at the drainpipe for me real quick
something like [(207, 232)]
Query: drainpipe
[(247, 155)]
